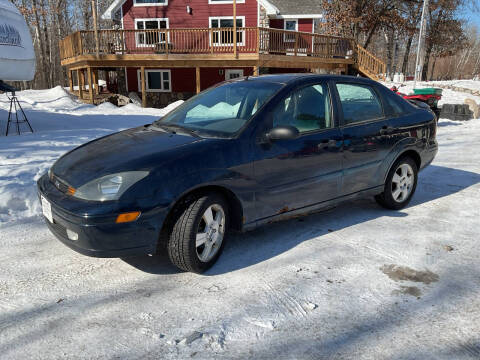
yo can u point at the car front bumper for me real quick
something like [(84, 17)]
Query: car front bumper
[(94, 223)]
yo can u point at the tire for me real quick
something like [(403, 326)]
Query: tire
[(205, 218), (400, 185)]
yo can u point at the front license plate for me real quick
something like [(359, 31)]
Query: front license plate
[(47, 209)]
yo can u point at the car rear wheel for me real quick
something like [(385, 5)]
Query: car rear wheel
[(400, 185), (198, 236)]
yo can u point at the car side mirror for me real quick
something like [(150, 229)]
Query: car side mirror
[(284, 132)]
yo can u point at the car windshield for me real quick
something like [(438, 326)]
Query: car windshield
[(221, 111)]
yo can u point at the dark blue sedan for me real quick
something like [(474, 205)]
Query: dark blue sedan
[(239, 155)]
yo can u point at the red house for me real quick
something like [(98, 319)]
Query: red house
[(172, 49)]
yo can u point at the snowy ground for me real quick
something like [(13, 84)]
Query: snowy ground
[(357, 282)]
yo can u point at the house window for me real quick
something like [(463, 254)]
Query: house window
[(291, 25), (156, 80), (233, 74), (150, 37), (150, 2), (225, 37)]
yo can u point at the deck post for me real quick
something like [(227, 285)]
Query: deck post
[(296, 43), (198, 79), (256, 70), (90, 85), (144, 87), (81, 81), (70, 80), (235, 28), (95, 81)]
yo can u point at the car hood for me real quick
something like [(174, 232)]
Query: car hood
[(130, 150)]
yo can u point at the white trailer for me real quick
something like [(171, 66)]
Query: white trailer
[(17, 56)]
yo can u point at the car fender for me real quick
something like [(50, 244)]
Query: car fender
[(231, 181), (404, 145)]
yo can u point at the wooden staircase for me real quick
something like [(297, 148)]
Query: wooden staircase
[(369, 65)]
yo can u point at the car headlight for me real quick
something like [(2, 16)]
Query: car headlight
[(110, 187)]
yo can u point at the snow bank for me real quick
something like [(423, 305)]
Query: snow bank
[(60, 122)]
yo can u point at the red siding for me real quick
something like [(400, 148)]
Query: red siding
[(212, 76), (183, 79), (176, 12), (305, 25)]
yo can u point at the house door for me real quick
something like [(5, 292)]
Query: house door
[(231, 74)]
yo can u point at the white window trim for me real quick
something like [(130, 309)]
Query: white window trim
[(285, 36), (233, 71), (139, 76), (212, 2), (228, 18), (152, 4), (150, 19)]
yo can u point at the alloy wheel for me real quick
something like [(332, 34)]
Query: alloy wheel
[(210, 233), (402, 183)]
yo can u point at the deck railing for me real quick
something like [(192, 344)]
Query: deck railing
[(207, 41)]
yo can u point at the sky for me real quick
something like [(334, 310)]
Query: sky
[(471, 16)]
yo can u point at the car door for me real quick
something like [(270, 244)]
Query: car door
[(365, 130), (299, 172)]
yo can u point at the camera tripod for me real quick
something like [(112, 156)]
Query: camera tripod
[(15, 104)]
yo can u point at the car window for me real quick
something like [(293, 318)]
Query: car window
[(223, 110), (359, 103), (396, 104), (307, 109)]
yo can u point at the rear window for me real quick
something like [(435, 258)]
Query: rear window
[(359, 103), (395, 105)]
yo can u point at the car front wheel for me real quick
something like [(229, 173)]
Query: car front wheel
[(400, 185), (198, 236)]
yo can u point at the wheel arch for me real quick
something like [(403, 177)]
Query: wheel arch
[(414, 155), (234, 203)]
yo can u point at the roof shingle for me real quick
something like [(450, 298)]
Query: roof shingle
[(297, 7)]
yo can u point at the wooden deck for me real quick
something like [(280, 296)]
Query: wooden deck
[(199, 45), (87, 52)]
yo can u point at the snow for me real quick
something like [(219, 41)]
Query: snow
[(355, 282), (60, 123)]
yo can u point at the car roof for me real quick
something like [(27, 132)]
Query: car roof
[(289, 78)]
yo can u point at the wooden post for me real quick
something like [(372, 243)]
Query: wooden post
[(80, 44), (258, 40), (198, 79), (95, 81), (144, 87), (296, 43), (81, 82), (95, 27), (256, 71), (70, 80), (211, 40), (235, 28), (90, 85)]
